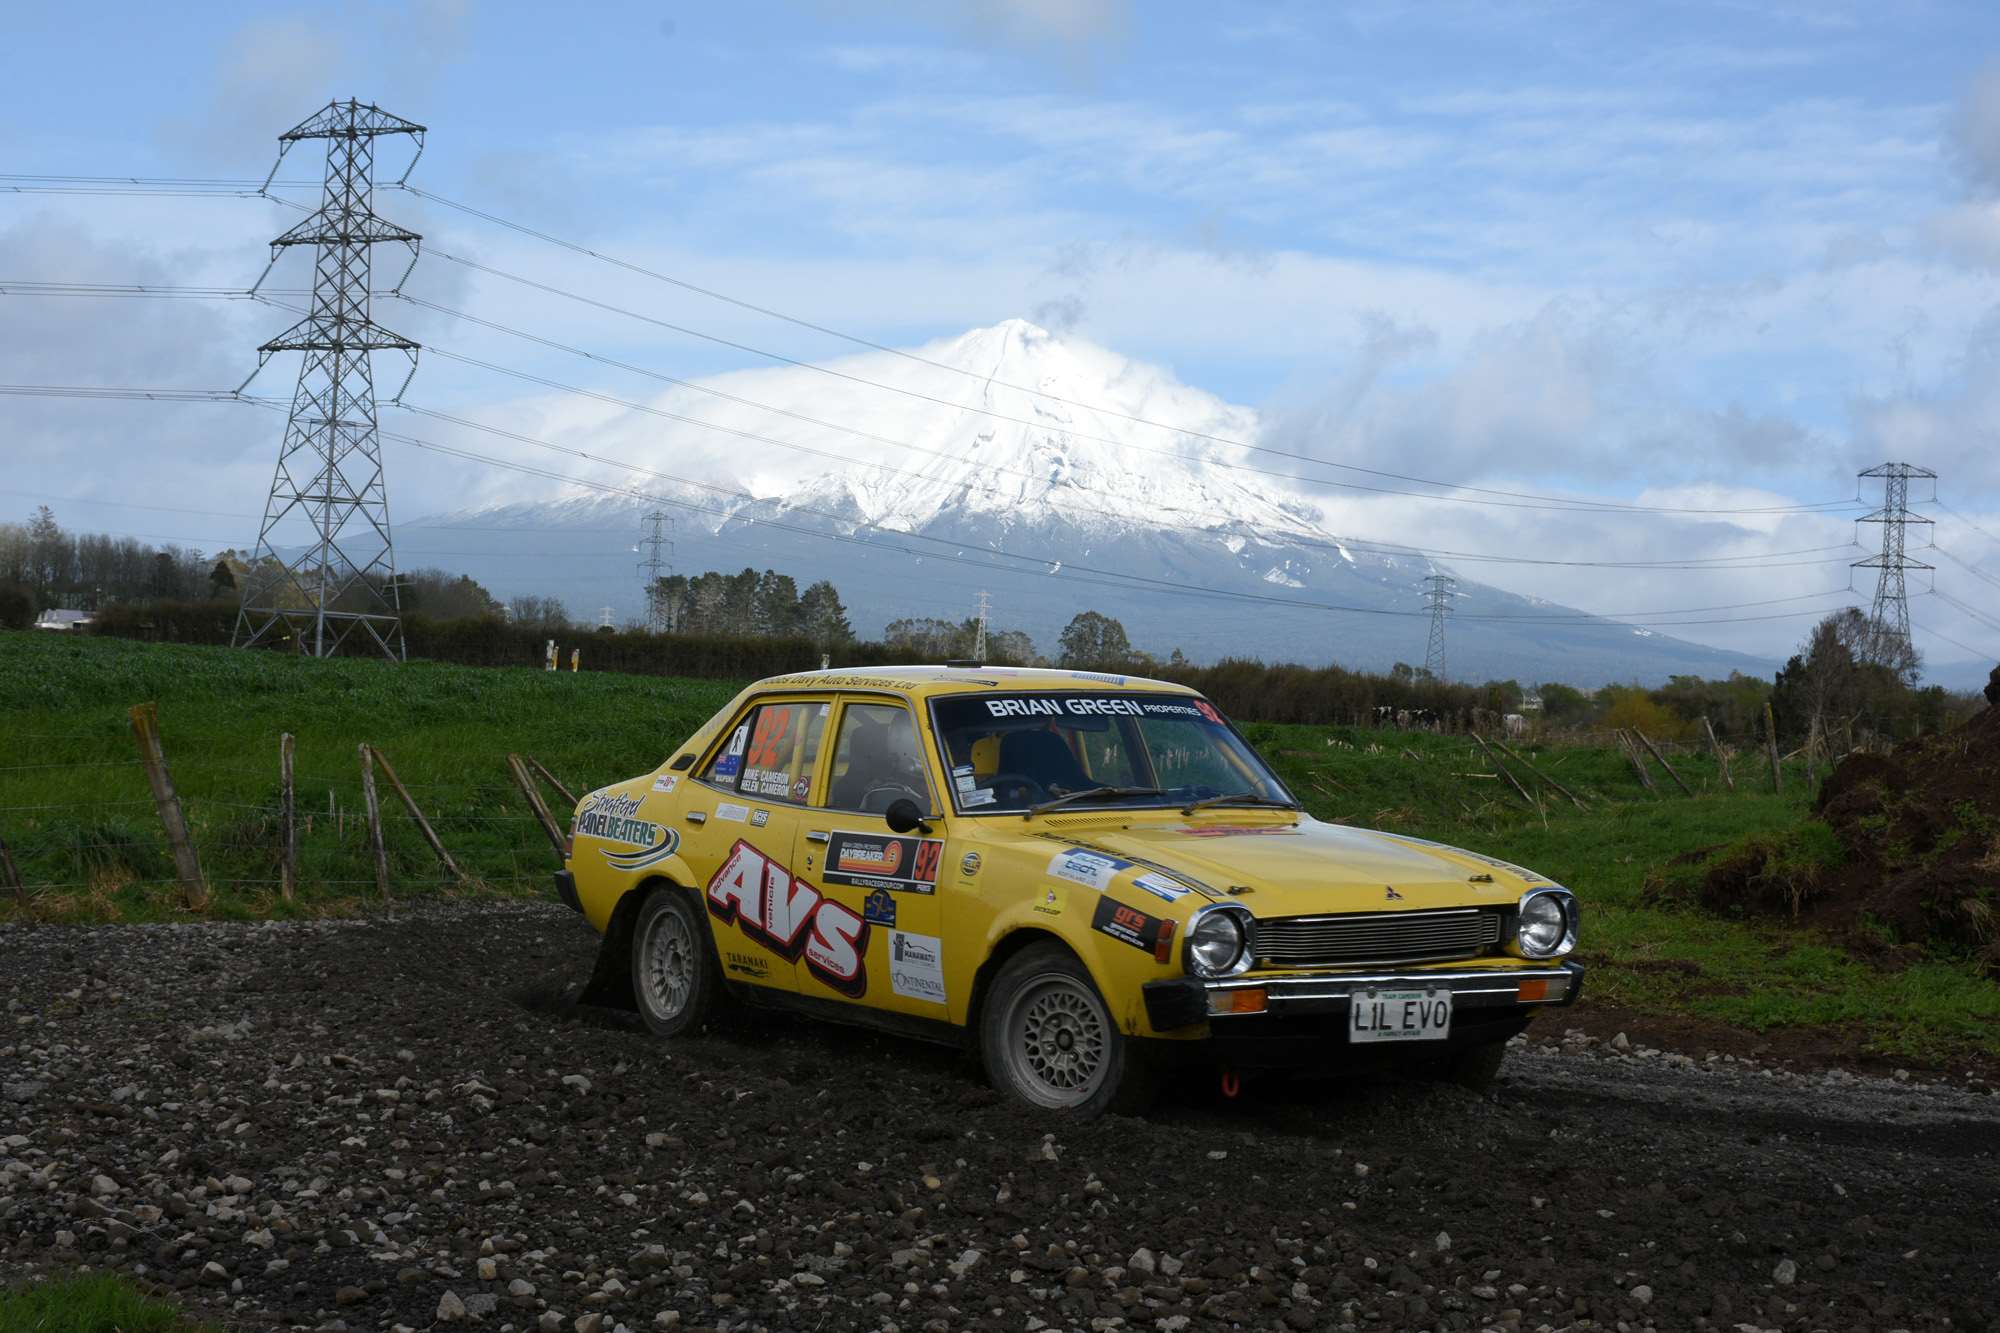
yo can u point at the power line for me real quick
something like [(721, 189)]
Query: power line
[(1032, 564), (1963, 647), (1963, 519), (1545, 501)]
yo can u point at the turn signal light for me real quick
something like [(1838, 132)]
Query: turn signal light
[(1537, 989), (1251, 1000), (1164, 948)]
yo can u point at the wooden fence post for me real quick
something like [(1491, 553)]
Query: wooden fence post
[(1529, 764), (1721, 759), (288, 873), (535, 804), (374, 819), (11, 876), (1685, 790), (1771, 743), (1632, 753), (146, 730), (550, 778), (1494, 759), (423, 825)]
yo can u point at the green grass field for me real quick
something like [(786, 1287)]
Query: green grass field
[(97, 1304), (75, 809)]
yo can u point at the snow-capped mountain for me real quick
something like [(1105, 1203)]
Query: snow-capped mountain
[(1029, 466)]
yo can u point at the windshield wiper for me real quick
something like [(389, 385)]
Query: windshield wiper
[(1240, 798), (1091, 794)]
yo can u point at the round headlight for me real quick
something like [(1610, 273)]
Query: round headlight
[(1545, 926), (1216, 944)]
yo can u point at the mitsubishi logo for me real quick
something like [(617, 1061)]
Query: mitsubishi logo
[(1394, 896)]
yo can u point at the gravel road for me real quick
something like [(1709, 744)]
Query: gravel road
[(405, 1122)]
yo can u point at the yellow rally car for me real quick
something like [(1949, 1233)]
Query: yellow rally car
[(1088, 878)]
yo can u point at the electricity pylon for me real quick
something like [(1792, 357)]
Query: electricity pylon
[(1437, 599), (328, 502), (1889, 617), (984, 609), (653, 569)]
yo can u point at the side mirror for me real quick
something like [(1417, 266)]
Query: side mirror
[(903, 816)]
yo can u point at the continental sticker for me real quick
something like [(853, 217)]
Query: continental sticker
[(612, 818), (1129, 925), (876, 861), (916, 966), (1093, 870), (734, 813)]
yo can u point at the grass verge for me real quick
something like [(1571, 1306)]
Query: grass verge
[(90, 1304)]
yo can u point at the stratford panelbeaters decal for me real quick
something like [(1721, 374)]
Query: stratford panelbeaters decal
[(612, 818)]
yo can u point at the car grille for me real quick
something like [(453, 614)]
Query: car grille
[(1377, 937)]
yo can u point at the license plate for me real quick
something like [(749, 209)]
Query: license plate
[(1399, 1015)]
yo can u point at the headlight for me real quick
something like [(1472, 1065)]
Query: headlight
[(1547, 926), (1219, 944)]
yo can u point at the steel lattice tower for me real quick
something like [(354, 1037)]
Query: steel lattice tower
[(983, 610), (328, 500), (1889, 617), (653, 568), (1437, 599)]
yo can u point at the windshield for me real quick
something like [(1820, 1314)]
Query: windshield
[(1012, 752)]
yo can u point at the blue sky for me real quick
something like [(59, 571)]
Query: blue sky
[(1642, 252)]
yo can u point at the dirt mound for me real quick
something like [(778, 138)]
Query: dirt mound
[(1903, 858)]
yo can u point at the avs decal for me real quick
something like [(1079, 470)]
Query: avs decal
[(612, 818), (759, 818), (879, 908), (1093, 870), (790, 918), (875, 861), (1129, 925), (916, 966)]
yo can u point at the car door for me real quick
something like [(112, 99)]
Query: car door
[(745, 820), (880, 911)]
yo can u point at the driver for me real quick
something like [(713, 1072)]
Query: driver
[(874, 761)]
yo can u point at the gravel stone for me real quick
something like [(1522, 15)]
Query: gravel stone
[(264, 1180)]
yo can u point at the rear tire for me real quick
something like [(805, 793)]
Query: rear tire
[(675, 980), (1049, 1041)]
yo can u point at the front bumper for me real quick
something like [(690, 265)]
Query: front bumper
[(1186, 1001)]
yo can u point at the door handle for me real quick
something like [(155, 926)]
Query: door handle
[(816, 836), (697, 817)]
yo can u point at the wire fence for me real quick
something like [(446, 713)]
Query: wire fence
[(117, 840)]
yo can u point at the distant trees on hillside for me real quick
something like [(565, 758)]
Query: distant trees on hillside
[(763, 605)]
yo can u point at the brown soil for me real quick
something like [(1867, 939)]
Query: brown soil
[(1918, 832)]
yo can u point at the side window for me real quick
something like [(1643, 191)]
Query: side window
[(771, 754), (877, 760)]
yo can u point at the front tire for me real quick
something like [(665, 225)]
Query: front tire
[(674, 975), (1049, 1041)]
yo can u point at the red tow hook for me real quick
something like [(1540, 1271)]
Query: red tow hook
[(1231, 1084)]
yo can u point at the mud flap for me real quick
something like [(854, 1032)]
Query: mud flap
[(610, 984)]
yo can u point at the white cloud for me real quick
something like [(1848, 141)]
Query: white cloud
[(1973, 139)]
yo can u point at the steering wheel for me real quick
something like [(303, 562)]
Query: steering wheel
[(1015, 789), (893, 789)]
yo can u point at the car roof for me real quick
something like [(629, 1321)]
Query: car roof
[(931, 681)]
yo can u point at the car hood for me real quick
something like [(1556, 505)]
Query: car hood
[(1298, 865)]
